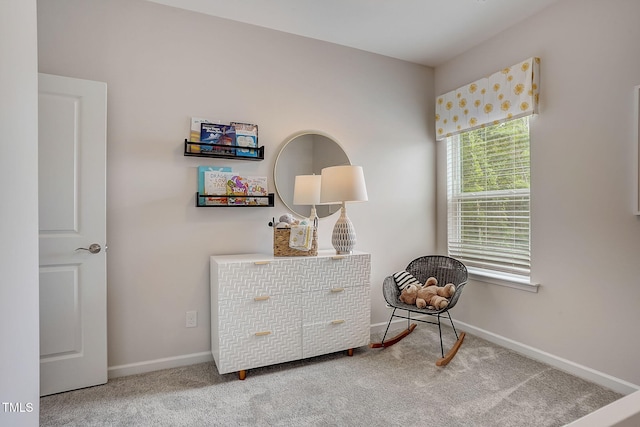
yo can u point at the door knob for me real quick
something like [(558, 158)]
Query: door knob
[(94, 248)]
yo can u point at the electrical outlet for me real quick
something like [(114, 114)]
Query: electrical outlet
[(192, 319)]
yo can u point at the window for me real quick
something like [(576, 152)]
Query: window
[(488, 180)]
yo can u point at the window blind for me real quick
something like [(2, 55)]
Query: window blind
[(488, 197)]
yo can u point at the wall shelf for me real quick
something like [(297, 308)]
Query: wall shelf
[(268, 199), (230, 151)]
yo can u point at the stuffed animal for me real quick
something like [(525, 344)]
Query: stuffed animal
[(429, 295), (409, 294), (435, 296), (288, 218), (286, 221)]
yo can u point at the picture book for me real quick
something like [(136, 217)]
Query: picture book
[(246, 136), (194, 135), (215, 185), (201, 177), (211, 133), (237, 186), (257, 186), (214, 201)]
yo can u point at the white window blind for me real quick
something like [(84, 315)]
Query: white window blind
[(488, 197)]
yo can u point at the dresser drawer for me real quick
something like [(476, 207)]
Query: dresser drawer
[(267, 310), (337, 303), (328, 337), (262, 313), (335, 271), (334, 321), (250, 350), (240, 280)]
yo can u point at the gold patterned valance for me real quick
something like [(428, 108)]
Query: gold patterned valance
[(507, 94)]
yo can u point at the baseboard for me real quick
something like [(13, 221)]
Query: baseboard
[(597, 377), (565, 365), (158, 364)]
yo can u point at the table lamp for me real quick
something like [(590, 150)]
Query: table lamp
[(342, 184), (306, 191)]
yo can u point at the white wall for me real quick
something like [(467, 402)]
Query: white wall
[(19, 351), (164, 65), (585, 239)]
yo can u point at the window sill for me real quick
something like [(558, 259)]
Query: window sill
[(502, 279)]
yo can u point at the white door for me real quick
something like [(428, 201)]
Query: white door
[(72, 210)]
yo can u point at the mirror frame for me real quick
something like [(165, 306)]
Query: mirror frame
[(285, 190)]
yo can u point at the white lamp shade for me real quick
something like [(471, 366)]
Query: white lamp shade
[(306, 190), (343, 184)]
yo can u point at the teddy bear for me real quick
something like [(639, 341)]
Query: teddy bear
[(409, 294), (428, 295)]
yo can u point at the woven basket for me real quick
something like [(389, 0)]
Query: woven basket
[(281, 244)]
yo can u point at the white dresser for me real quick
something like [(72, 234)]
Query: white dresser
[(267, 310)]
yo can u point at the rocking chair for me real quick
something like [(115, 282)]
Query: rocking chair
[(445, 270)]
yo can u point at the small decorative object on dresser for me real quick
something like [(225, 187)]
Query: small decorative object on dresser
[(282, 239), (342, 184), (267, 310), (283, 236)]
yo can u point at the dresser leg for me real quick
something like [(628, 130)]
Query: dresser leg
[(242, 374), (350, 352)]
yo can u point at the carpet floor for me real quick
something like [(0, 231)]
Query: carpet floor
[(484, 385)]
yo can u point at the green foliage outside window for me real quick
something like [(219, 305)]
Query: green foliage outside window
[(489, 197), (490, 154)]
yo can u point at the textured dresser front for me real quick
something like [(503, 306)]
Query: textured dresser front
[(267, 310), (336, 307)]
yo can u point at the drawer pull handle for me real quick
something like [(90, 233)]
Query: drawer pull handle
[(338, 257), (262, 298), (337, 322), (263, 333), (262, 262), (337, 289)]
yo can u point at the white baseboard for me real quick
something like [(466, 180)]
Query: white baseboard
[(597, 377), (568, 366), (158, 364)]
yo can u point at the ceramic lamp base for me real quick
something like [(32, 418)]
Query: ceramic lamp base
[(344, 235)]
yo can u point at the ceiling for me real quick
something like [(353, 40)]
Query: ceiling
[(428, 32)]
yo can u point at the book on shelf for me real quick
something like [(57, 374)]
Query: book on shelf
[(257, 186), (246, 139), (194, 134), (237, 186), (214, 185), (201, 176), (212, 133)]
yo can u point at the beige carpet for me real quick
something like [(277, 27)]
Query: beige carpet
[(484, 385)]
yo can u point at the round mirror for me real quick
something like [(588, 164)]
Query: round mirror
[(306, 153)]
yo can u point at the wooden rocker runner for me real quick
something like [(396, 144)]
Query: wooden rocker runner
[(445, 270)]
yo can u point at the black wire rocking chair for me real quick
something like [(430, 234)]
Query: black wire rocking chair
[(445, 270)]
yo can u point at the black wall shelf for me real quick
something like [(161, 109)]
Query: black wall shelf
[(201, 201), (214, 151)]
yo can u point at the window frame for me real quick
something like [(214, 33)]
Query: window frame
[(483, 273)]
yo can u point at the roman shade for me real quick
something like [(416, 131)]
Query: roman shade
[(507, 94)]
